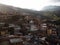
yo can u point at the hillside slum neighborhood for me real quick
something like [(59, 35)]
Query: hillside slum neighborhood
[(30, 30), (27, 29)]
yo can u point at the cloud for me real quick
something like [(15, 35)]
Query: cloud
[(55, 0)]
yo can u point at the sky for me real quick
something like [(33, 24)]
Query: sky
[(30, 4)]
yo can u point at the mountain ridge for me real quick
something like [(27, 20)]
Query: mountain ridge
[(10, 10)]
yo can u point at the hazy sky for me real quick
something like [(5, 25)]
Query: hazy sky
[(30, 4)]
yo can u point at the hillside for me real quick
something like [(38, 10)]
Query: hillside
[(49, 12), (52, 12), (53, 9)]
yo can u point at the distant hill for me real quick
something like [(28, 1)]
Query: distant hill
[(51, 12), (54, 9), (6, 11)]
